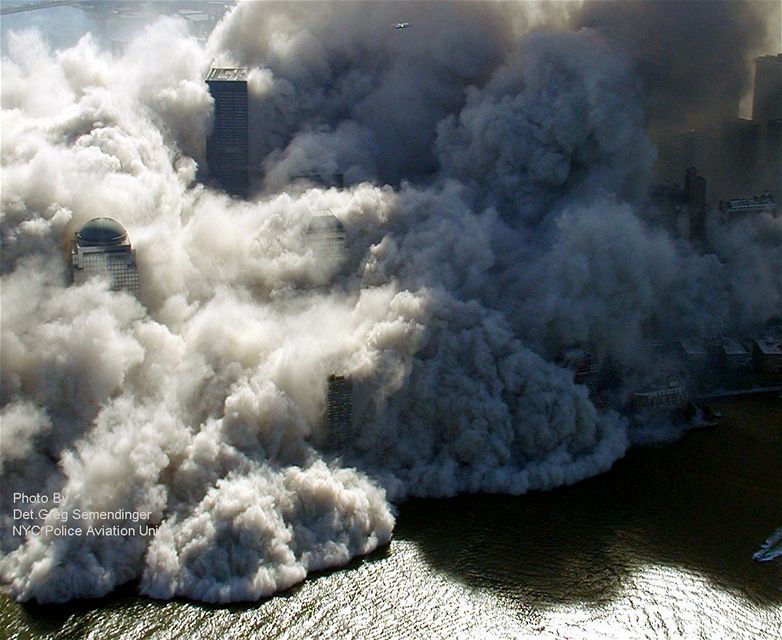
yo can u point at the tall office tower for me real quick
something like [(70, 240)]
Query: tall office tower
[(767, 111), (585, 370), (741, 147), (227, 145), (767, 96), (772, 158), (695, 201), (689, 176), (339, 411), (102, 248), (326, 236)]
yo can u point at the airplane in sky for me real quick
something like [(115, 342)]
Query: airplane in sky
[(401, 25)]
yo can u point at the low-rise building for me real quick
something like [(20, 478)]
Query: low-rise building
[(767, 354), (694, 351), (730, 353), (666, 393), (736, 208)]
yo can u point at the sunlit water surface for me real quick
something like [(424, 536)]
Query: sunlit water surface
[(659, 547)]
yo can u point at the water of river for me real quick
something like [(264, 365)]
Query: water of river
[(659, 547)]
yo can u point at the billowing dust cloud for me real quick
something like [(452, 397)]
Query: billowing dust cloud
[(495, 173)]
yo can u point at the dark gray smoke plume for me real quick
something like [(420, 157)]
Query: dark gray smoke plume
[(495, 175), (340, 88), (695, 62), (693, 58)]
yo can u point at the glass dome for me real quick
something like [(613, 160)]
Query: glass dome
[(101, 232)]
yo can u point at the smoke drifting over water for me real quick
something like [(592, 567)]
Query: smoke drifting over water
[(495, 218)]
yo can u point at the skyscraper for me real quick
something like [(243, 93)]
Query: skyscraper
[(102, 248), (695, 200), (339, 411), (767, 96), (772, 157), (326, 236), (227, 145), (741, 142)]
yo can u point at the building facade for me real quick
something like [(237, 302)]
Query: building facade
[(767, 354), (227, 147), (327, 238), (695, 201), (731, 354), (101, 248), (767, 95), (748, 206), (339, 411), (665, 393), (585, 368)]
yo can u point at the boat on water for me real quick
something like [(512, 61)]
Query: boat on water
[(701, 416), (771, 549)]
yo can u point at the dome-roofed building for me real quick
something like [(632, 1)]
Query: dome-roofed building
[(102, 248), (102, 232)]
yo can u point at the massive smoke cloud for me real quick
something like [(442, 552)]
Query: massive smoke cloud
[(495, 215), (694, 59)]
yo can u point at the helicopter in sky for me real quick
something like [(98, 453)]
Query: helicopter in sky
[(401, 25)]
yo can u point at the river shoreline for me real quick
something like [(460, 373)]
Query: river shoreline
[(661, 544)]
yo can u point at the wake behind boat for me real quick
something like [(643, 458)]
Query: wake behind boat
[(771, 548)]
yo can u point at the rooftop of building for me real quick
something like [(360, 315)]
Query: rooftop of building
[(762, 200), (100, 232), (770, 345), (227, 74), (731, 346), (693, 346), (325, 223)]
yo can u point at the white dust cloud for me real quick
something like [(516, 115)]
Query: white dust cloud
[(493, 206)]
